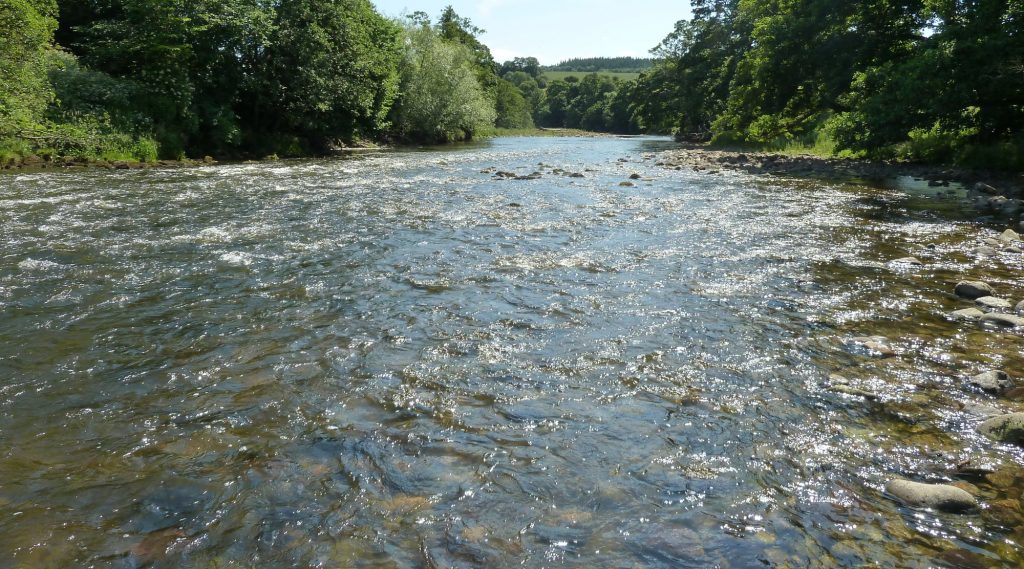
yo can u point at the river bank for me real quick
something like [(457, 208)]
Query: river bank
[(702, 158)]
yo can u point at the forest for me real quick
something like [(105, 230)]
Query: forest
[(939, 81)]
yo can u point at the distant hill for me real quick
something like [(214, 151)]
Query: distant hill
[(596, 64)]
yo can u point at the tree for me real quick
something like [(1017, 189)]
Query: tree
[(26, 55), (527, 65), (441, 99), (333, 68), (513, 110)]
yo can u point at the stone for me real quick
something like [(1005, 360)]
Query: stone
[(985, 251), (627, 184), (1006, 320), (993, 303), (876, 346), (1005, 428), (968, 314), (908, 261), (985, 189), (1020, 307), (1009, 236), (937, 496), (992, 381), (974, 289), (635, 177)]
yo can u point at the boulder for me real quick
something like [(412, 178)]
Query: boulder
[(937, 496), (992, 381), (968, 314), (974, 289), (1009, 236), (1006, 320), (635, 177), (1005, 428), (994, 303), (985, 189)]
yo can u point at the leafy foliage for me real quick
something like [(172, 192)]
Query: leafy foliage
[(441, 101)]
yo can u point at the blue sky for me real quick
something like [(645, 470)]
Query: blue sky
[(553, 30)]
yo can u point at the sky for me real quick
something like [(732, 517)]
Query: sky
[(555, 30)]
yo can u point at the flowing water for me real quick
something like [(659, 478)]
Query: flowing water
[(398, 360)]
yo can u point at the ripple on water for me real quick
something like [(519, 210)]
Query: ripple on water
[(396, 359)]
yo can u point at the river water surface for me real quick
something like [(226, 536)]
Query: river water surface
[(398, 360)]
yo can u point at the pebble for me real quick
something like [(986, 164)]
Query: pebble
[(992, 381), (974, 289), (994, 303), (1005, 428), (938, 496)]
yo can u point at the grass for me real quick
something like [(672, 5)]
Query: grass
[(552, 75)]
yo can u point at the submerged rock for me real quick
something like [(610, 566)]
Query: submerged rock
[(1006, 320), (627, 184), (908, 261), (993, 303), (1005, 428), (938, 496), (876, 345), (992, 381), (974, 289)]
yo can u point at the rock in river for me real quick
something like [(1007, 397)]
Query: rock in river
[(992, 381), (1005, 428), (938, 496), (968, 314), (1007, 320), (1009, 236), (994, 303), (974, 289), (1020, 307), (908, 261)]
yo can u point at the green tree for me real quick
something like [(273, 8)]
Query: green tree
[(512, 109), (332, 70), (26, 56), (441, 99)]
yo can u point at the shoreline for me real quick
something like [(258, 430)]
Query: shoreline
[(704, 158)]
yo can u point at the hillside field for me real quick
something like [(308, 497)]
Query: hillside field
[(552, 75)]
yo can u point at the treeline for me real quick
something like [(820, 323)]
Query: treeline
[(595, 64), (141, 79), (928, 80), (596, 102)]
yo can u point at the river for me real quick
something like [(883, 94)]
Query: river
[(398, 359)]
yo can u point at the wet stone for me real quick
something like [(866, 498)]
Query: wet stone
[(994, 303), (626, 184), (1005, 428), (992, 381), (908, 261), (974, 289), (1005, 320), (968, 314), (1009, 236), (875, 345), (1020, 307), (941, 497)]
